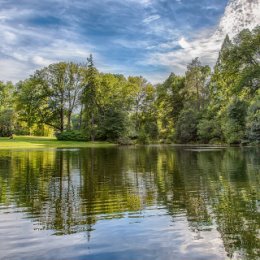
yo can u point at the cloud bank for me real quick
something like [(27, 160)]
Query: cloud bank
[(132, 37)]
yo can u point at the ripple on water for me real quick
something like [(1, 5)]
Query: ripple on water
[(136, 203)]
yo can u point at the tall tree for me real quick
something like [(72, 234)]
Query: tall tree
[(6, 95), (29, 102), (51, 95), (7, 113), (141, 94), (197, 77), (74, 90), (89, 97), (170, 101)]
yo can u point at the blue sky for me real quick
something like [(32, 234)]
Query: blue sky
[(133, 37)]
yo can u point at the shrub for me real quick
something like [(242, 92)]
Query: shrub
[(253, 120), (71, 136), (234, 125), (112, 125), (233, 132), (124, 141), (186, 126), (209, 129), (143, 137), (6, 122), (151, 129)]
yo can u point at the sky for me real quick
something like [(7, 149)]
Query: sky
[(151, 38)]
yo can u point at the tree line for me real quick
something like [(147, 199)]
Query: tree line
[(77, 102)]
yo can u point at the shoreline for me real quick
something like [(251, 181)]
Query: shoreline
[(25, 142)]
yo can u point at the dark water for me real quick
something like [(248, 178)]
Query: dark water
[(130, 203)]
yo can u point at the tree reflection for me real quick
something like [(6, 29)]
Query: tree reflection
[(68, 191)]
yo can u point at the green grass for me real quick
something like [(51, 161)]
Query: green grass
[(39, 141)]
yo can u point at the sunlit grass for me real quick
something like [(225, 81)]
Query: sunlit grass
[(38, 141)]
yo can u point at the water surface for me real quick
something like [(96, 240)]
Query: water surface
[(155, 202)]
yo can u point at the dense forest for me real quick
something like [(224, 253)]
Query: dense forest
[(77, 102)]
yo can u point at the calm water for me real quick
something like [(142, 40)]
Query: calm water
[(130, 203)]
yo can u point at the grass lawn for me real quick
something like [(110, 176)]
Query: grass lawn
[(39, 141)]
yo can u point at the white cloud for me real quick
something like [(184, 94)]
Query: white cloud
[(151, 18), (131, 43), (8, 37), (183, 43), (24, 49), (143, 2), (206, 49), (40, 61), (19, 56), (13, 13), (13, 69)]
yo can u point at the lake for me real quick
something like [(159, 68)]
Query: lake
[(151, 202)]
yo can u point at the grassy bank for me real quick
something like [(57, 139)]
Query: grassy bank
[(38, 142)]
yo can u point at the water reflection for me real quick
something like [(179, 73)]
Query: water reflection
[(68, 191)]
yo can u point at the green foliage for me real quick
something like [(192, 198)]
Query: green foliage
[(124, 141), (112, 125), (151, 129), (57, 89), (143, 103), (29, 101), (198, 107), (209, 130), (234, 124), (253, 120), (234, 84), (7, 113), (143, 137), (71, 136), (196, 84), (186, 126), (6, 95), (170, 102), (7, 120)]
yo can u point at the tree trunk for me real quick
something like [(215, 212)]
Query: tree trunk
[(92, 127), (62, 121), (80, 117), (69, 121), (198, 97)]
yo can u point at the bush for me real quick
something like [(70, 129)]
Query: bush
[(124, 141), (112, 125), (233, 132), (151, 129), (6, 122), (143, 137), (71, 136), (253, 120), (165, 141), (186, 126), (234, 125), (209, 129)]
